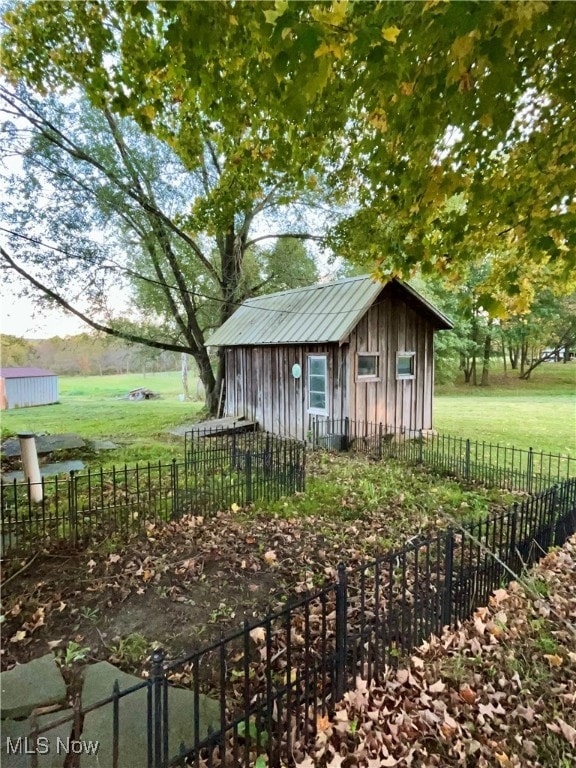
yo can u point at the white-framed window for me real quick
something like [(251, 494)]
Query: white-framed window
[(405, 365), (318, 384), (368, 367)]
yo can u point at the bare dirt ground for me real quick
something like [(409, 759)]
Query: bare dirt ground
[(182, 584)]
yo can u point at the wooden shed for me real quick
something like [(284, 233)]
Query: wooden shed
[(24, 387), (352, 348)]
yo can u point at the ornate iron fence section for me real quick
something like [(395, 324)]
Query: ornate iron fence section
[(263, 691), (240, 467), (475, 461), (217, 472)]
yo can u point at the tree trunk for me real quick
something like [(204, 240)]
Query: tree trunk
[(523, 358), (504, 354), (486, 357), (208, 380), (513, 354), (184, 370)]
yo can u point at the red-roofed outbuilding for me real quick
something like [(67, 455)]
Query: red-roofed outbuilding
[(25, 387)]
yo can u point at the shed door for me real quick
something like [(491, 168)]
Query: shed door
[(318, 384)]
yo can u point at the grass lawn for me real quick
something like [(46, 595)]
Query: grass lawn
[(538, 413), (90, 406)]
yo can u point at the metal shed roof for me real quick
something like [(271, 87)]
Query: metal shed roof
[(24, 373), (324, 312)]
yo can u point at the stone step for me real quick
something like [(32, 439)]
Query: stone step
[(133, 718), (38, 683)]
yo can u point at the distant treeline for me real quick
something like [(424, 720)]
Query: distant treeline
[(85, 354)]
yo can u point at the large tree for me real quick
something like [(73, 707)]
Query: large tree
[(98, 203), (447, 127)]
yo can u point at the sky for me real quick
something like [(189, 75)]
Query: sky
[(19, 317)]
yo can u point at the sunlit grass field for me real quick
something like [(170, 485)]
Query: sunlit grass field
[(92, 406), (538, 413)]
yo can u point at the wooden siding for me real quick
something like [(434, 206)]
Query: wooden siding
[(392, 326), (260, 385)]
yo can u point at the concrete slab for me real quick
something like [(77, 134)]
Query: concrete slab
[(28, 686), (45, 444), (133, 718), (103, 445), (16, 746), (48, 470), (216, 426)]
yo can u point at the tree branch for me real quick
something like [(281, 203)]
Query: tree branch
[(92, 323), (295, 235)]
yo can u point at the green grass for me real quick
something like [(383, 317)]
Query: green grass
[(90, 406), (538, 413), (343, 488)]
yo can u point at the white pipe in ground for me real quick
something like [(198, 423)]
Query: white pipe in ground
[(30, 465)]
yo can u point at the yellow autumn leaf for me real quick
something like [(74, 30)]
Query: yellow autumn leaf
[(148, 111), (235, 507), (407, 88), (462, 46), (503, 759), (18, 637), (326, 48), (390, 34), (553, 659)]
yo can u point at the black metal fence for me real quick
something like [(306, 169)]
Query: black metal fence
[(488, 463), (217, 472), (256, 696), (241, 467)]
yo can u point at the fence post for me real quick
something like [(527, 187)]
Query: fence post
[(530, 470), (421, 447), (346, 433), (448, 575), (554, 519), (72, 510), (512, 554), (248, 477), (380, 439), (341, 630), (157, 680), (174, 515), (467, 470)]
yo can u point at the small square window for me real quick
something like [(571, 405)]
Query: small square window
[(367, 366), (405, 365)]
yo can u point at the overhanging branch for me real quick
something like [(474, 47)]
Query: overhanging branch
[(294, 235), (132, 337)]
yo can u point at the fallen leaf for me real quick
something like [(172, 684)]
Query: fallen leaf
[(437, 687), (500, 595), (467, 695), (270, 556), (553, 659), (322, 723), (504, 760), (567, 731), (258, 634), (18, 637)]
